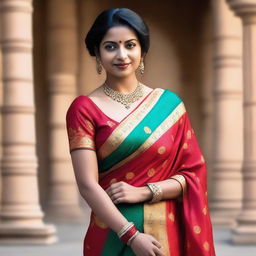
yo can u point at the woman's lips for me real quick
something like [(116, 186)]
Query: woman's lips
[(122, 65)]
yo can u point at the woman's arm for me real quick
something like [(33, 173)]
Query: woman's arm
[(86, 173), (122, 192)]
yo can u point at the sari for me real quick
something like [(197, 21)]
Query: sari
[(152, 143)]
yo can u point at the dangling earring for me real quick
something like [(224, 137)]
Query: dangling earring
[(141, 66), (98, 66)]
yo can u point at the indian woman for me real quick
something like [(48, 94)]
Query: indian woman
[(135, 155)]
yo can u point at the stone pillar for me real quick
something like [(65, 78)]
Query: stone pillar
[(227, 110), (21, 215), (62, 60), (245, 232)]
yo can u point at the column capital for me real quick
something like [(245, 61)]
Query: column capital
[(243, 8)]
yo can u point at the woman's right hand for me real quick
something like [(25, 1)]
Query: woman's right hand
[(146, 245)]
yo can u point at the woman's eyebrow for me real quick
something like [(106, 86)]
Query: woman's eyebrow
[(113, 42)]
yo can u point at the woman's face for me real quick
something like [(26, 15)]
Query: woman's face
[(120, 52)]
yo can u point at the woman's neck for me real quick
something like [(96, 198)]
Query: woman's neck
[(123, 85)]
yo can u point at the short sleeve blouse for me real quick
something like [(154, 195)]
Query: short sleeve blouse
[(80, 126)]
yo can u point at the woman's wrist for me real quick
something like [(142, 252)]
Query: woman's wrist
[(145, 193)]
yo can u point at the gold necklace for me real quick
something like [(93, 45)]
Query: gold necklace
[(125, 99)]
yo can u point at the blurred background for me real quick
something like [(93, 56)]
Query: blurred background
[(204, 50)]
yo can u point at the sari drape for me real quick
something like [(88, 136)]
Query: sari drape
[(153, 143)]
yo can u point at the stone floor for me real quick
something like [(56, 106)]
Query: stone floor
[(71, 236)]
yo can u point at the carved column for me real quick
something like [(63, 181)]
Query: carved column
[(245, 232), (63, 203), (227, 90), (21, 215)]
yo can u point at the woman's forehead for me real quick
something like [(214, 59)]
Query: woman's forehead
[(119, 34)]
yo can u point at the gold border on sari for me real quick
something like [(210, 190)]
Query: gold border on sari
[(155, 224), (160, 130), (126, 126)]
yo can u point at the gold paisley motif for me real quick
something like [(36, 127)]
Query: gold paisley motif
[(197, 229), (185, 145), (129, 175), (189, 134), (171, 216), (151, 172), (206, 246), (161, 150), (147, 130), (205, 210)]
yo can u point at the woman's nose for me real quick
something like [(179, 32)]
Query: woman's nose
[(122, 53)]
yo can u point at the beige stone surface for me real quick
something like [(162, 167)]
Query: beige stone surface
[(21, 215), (228, 131), (245, 231)]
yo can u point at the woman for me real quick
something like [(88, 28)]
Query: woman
[(139, 166)]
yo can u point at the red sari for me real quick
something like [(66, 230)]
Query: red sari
[(153, 143)]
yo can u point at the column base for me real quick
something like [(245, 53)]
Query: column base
[(12, 234), (244, 234), (245, 231)]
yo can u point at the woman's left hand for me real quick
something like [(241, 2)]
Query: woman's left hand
[(122, 192)]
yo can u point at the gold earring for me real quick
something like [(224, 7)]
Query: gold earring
[(98, 66), (141, 67)]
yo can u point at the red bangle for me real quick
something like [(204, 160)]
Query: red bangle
[(127, 235)]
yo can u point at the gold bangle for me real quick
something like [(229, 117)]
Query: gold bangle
[(156, 192), (180, 178)]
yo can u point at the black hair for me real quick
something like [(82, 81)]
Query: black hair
[(112, 18)]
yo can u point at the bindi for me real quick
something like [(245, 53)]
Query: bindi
[(120, 42)]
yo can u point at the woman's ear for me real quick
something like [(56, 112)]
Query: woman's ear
[(97, 53)]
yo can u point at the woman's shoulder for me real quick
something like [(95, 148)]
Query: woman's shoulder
[(80, 105)]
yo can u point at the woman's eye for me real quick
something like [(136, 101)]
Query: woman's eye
[(131, 45), (110, 47)]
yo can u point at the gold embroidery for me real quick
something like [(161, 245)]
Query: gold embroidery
[(206, 246), (171, 216), (202, 159), (147, 130), (161, 150), (161, 129), (155, 223), (129, 175), (188, 134), (126, 126), (89, 125), (185, 145), (151, 172), (197, 229), (80, 139), (205, 210)]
